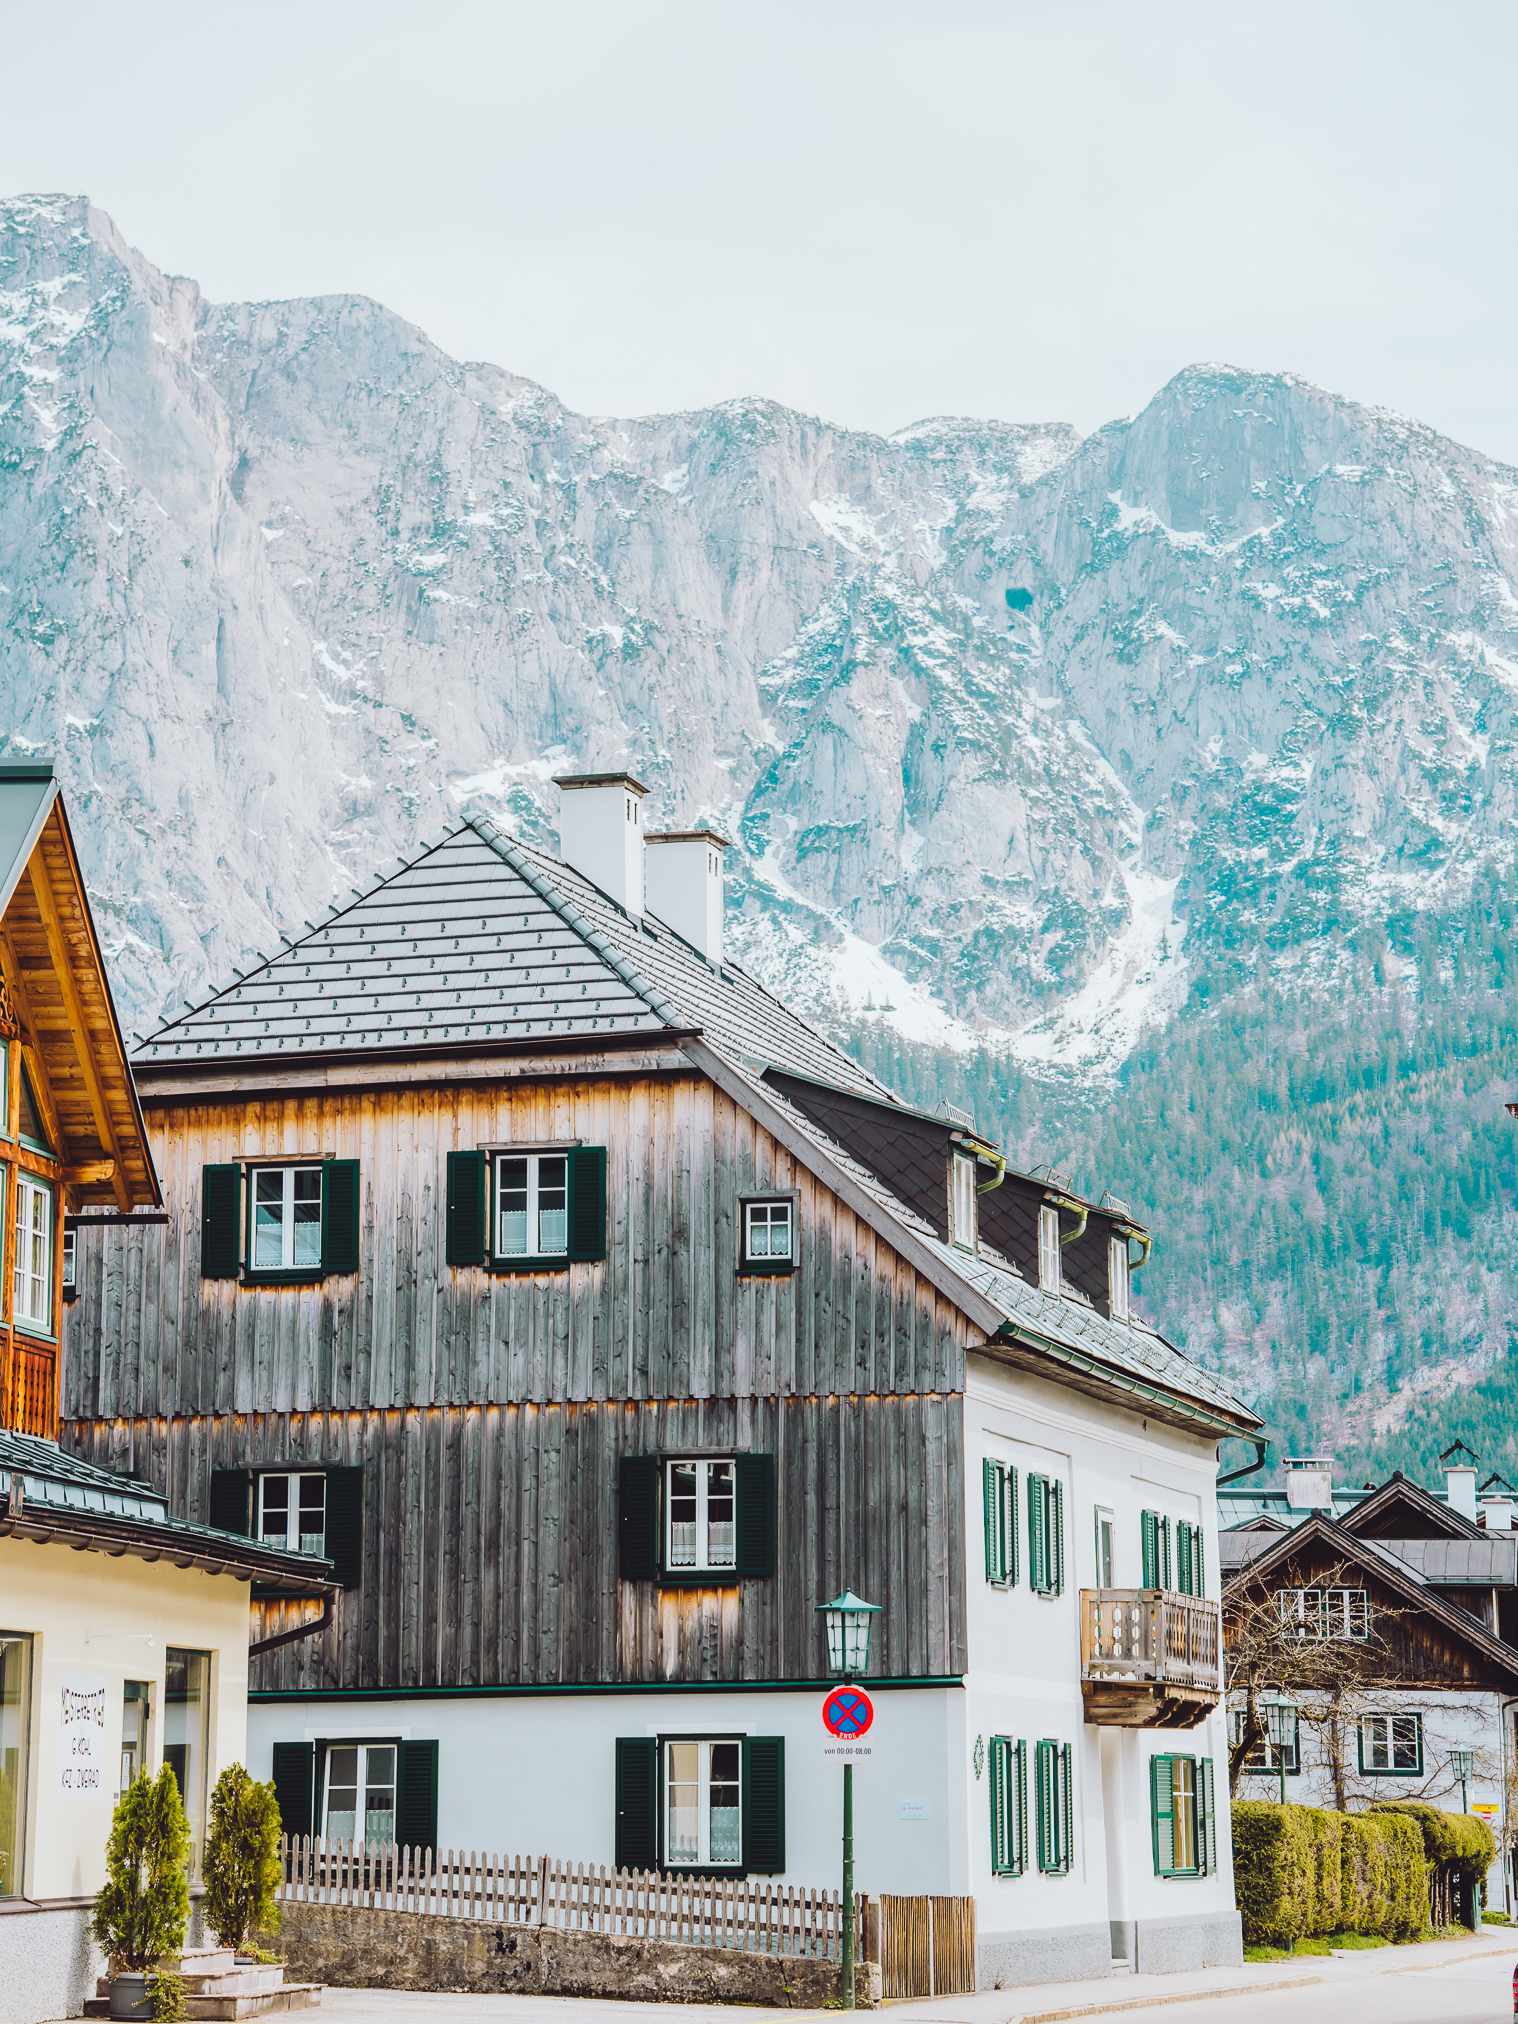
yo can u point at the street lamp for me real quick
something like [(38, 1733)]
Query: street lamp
[(1462, 1763), (847, 1620), (1280, 1725)]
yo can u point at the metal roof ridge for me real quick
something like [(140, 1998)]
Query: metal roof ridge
[(510, 852)]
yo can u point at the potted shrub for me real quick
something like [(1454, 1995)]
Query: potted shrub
[(143, 1910), (242, 1866)]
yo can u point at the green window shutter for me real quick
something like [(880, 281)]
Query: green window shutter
[(1044, 1781), (1183, 1559), (637, 1830), (990, 1497), (1067, 1809), (755, 1545), (1150, 1529), (466, 1209), (1164, 1553), (220, 1229), (999, 1864), (638, 1517), (232, 1501), (1020, 1792), (292, 1786), (416, 1796), (764, 1805), (1038, 1534), (1162, 1810), (1207, 1835), (1198, 1582), (587, 1202), (339, 1215), (1057, 1538), (1013, 1559), (345, 1525), (1360, 1744)]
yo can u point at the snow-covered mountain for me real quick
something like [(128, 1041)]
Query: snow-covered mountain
[(1011, 728)]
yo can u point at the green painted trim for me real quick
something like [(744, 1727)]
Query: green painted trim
[(821, 1686), (507, 1268), (759, 1268), (297, 1276)]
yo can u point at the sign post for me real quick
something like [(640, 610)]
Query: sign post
[(847, 1714)]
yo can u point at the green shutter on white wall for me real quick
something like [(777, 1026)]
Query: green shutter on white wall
[(1057, 1539), (1207, 1829), (1162, 1809), (1198, 1580), (1038, 1534), (1183, 1558), (1149, 1528), (990, 1498)]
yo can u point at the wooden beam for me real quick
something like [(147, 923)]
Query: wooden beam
[(89, 1174), (52, 927)]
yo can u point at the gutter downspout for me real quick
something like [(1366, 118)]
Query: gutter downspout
[(990, 1187), (1079, 1210), (307, 1629), (1249, 1469), (1141, 1237)]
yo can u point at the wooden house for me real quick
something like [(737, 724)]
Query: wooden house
[(1420, 1594), (71, 1129), (600, 1320)]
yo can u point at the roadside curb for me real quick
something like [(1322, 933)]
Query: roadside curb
[(1169, 1996)]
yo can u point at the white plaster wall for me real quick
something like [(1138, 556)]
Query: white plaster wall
[(57, 1595), (535, 1774), (1024, 1678)]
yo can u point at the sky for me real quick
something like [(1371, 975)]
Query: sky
[(874, 212)]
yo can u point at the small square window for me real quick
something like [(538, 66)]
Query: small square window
[(769, 1234), (287, 1219), (292, 1511), (532, 1205), (1390, 1744), (701, 1510)]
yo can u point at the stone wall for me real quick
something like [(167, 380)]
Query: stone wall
[(359, 1949)]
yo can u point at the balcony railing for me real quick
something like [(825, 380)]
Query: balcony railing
[(1150, 1658), (33, 1402)]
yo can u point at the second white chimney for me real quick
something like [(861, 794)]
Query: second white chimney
[(1460, 1492), (1498, 1512), (601, 833), (684, 872)]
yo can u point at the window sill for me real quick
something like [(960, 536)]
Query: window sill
[(507, 1268), (1368, 1773), (766, 1268), (34, 1332), (309, 1275), (704, 1875), (701, 1577)]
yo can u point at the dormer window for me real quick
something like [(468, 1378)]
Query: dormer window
[(1117, 1277), (962, 1202), (1049, 1275)]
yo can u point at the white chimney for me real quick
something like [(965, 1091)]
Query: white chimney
[(685, 886), (601, 833), (1499, 1513), (1460, 1491)]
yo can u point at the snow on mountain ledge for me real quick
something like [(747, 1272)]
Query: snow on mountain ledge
[(990, 712)]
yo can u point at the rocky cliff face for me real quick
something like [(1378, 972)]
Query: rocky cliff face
[(1009, 727)]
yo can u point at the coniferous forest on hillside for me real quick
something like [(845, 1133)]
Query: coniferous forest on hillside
[(1331, 1179)]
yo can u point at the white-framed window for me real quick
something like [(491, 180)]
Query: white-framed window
[(33, 1276), (1117, 1275), (701, 1511), (1325, 1612), (70, 1257), (531, 1205), (1391, 1745), (962, 1202), (769, 1232), (287, 1219), (703, 1803), (358, 1803), (1106, 1526), (1049, 1273), (292, 1511)]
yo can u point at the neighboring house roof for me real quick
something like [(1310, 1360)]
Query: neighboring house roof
[(48, 1495), (487, 943), (1403, 1509), (55, 994), (1284, 1554), (1488, 1562)]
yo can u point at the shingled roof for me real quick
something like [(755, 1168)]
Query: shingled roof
[(486, 943)]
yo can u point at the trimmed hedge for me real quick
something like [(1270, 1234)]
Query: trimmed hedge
[(1302, 1871), (1463, 1839)]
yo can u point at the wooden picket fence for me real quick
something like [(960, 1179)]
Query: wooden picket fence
[(927, 1946), (744, 1913)]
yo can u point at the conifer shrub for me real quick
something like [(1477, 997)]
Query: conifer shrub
[(1463, 1839), (1303, 1872), (142, 1911), (242, 1865)]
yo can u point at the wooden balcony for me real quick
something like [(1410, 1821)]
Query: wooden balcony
[(1150, 1659), (29, 1388)]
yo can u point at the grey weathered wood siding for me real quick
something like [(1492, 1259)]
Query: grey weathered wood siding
[(664, 1316), (490, 1536)]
